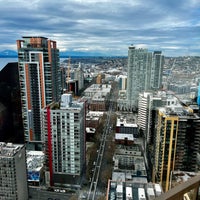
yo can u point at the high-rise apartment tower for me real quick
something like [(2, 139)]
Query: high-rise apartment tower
[(144, 73), (63, 127), (177, 142), (39, 76)]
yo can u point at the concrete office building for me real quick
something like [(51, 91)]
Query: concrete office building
[(38, 63), (99, 95), (127, 124), (75, 74), (79, 75), (63, 128), (13, 176), (144, 73), (121, 101)]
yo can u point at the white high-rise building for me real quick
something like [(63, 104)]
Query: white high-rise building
[(63, 128), (147, 104), (144, 113), (13, 173), (144, 73)]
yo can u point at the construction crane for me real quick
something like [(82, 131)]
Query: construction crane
[(187, 107), (184, 105), (68, 78), (68, 75)]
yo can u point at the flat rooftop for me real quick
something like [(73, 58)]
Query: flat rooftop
[(126, 122), (94, 115), (132, 190), (122, 136), (134, 147), (34, 161), (9, 149)]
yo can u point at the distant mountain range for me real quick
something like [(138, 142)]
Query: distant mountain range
[(12, 54), (8, 54), (81, 54)]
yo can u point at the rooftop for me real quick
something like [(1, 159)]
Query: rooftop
[(67, 103), (34, 37), (129, 160), (9, 149), (124, 122), (96, 88), (179, 110), (132, 190), (35, 160), (94, 115), (122, 136), (134, 147), (90, 130)]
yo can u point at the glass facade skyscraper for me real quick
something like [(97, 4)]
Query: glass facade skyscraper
[(144, 73)]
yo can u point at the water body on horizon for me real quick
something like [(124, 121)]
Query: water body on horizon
[(5, 61)]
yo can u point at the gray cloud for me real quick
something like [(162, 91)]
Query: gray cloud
[(105, 25)]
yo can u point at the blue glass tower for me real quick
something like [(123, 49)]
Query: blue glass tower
[(198, 96)]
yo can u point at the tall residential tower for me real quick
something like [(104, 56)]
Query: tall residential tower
[(144, 73), (176, 142), (64, 135), (38, 60)]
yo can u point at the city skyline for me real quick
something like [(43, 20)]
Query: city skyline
[(105, 26)]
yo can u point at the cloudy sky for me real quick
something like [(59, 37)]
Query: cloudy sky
[(109, 26)]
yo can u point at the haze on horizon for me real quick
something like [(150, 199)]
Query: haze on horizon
[(105, 26)]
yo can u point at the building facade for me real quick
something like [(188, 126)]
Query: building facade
[(177, 142), (157, 70), (147, 104), (127, 126), (99, 79), (144, 73), (63, 128), (13, 176), (79, 75), (122, 82), (11, 128), (144, 114), (39, 77)]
